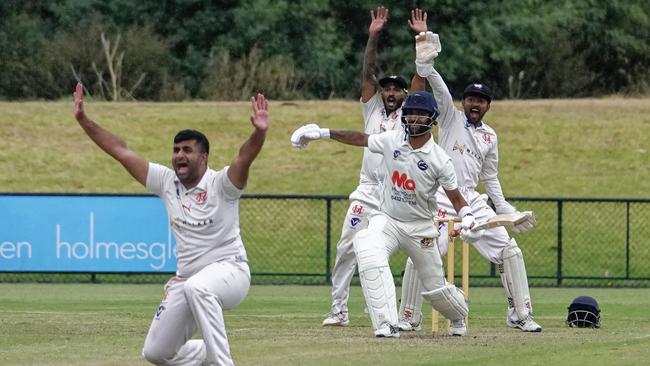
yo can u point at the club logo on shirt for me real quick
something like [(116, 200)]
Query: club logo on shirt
[(355, 221), (459, 147), (426, 243), (396, 154), (201, 197), (403, 181), (422, 165), (487, 138), (357, 209), (160, 310)]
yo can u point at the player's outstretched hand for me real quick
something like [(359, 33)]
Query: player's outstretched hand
[(78, 109), (526, 225), (260, 116), (418, 21), (302, 136), (378, 20)]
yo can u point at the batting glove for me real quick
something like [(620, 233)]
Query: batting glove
[(466, 225), (526, 225), (302, 136)]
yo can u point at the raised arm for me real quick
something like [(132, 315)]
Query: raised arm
[(418, 24), (368, 78), (110, 143), (239, 168)]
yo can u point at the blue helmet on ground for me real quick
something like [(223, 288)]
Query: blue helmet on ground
[(584, 312)]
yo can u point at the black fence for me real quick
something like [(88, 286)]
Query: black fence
[(291, 239)]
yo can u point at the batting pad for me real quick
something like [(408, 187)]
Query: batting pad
[(515, 280), (410, 308), (448, 301), (376, 279)]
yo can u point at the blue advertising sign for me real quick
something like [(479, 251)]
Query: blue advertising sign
[(85, 234)]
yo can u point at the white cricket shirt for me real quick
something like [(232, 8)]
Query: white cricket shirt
[(376, 121), (205, 219), (473, 150), (412, 177)]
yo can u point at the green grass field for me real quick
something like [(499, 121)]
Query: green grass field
[(548, 148), (82, 324)]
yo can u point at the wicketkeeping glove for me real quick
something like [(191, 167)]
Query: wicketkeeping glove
[(302, 136), (526, 225), (427, 48)]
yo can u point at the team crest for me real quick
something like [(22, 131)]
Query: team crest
[(487, 138), (201, 197), (357, 209), (426, 243), (422, 165)]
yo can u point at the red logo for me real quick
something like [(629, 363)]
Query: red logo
[(442, 213), (201, 197), (403, 181), (357, 210), (487, 138)]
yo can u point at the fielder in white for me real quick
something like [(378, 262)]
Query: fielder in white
[(203, 207), (414, 167), (381, 102), (472, 146)]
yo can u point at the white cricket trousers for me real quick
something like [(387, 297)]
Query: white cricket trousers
[(418, 240), (197, 303), (363, 201)]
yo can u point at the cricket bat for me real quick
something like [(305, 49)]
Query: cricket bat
[(507, 220)]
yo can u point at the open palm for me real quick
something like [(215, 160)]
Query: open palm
[(260, 117)]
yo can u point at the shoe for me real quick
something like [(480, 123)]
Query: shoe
[(387, 331), (406, 326), (458, 328), (526, 325), (336, 320)]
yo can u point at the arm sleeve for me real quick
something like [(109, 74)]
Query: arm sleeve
[(447, 177), (156, 176), (443, 98), (367, 109), (376, 142), (226, 186), (491, 182)]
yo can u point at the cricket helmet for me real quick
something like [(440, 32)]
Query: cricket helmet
[(584, 312), (419, 101)]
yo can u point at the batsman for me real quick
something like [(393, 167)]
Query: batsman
[(472, 146)]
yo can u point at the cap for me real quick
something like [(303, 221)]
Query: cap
[(393, 79), (479, 89)]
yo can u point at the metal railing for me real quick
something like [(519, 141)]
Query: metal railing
[(291, 239)]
